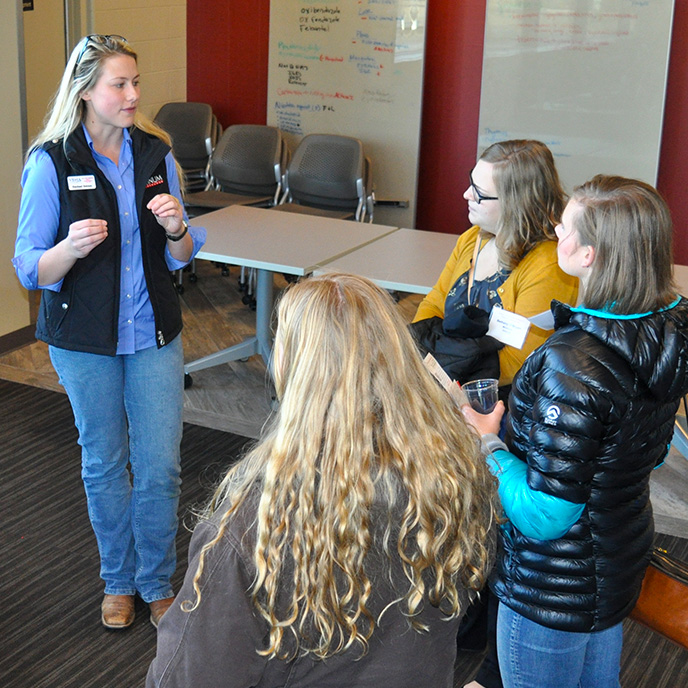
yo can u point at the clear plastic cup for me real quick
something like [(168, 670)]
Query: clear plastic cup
[(482, 394)]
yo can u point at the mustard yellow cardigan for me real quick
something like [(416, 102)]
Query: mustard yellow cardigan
[(528, 290)]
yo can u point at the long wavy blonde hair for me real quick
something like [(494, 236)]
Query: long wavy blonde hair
[(360, 423), (84, 67)]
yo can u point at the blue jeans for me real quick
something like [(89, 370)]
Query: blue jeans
[(534, 656), (128, 409)]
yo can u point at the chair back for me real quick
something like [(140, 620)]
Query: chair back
[(327, 171), (248, 159), (194, 131)]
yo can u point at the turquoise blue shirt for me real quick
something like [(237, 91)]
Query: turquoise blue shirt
[(536, 514)]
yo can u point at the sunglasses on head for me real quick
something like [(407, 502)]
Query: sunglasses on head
[(97, 38)]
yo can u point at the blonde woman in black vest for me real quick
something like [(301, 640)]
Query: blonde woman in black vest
[(101, 224)]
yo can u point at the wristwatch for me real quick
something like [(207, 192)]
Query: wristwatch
[(178, 237)]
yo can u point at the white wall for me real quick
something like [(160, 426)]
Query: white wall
[(44, 59), (156, 30), (14, 302)]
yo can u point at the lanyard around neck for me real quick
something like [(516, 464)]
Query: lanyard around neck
[(474, 265)]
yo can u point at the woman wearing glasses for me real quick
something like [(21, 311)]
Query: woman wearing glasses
[(101, 224), (508, 259)]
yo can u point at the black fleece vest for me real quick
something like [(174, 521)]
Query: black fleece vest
[(83, 315)]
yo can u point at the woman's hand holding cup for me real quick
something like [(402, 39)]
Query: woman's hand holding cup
[(485, 423)]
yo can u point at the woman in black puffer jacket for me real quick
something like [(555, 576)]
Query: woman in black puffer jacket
[(591, 414)]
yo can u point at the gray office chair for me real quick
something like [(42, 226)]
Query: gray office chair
[(246, 168), (329, 176), (194, 131)]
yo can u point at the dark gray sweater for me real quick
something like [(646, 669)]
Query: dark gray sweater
[(216, 645)]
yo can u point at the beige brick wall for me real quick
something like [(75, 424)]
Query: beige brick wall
[(156, 29), (14, 300)]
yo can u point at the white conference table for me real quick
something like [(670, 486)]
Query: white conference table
[(272, 241), (409, 260)]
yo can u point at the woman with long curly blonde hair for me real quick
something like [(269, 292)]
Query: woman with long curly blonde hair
[(344, 548)]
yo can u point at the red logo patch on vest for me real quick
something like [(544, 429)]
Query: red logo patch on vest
[(154, 181)]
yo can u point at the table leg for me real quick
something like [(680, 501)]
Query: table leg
[(261, 343), (680, 439), (264, 300)]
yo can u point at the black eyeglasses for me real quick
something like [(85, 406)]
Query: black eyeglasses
[(479, 197), (100, 38)]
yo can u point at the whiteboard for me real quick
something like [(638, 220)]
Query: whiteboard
[(586, 77), (355, 68)]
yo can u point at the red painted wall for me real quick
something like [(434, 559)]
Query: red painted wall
[(451, 109), (672, 179), (227, 58), (227, 63)]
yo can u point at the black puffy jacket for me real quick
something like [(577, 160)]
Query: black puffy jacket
[(592, 413), (464, 351)]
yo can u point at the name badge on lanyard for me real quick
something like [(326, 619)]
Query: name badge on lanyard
[(81, 182), (509, 328)]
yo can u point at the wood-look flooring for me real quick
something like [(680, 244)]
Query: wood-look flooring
[(236, 397)]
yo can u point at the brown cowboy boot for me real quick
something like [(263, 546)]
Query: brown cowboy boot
[(117, 611)]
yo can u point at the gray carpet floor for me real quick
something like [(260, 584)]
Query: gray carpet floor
[(51, 634)]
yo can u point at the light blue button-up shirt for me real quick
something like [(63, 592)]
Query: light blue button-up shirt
[(39, 216)]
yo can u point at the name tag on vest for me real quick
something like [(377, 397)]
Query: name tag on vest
[(81, 182)]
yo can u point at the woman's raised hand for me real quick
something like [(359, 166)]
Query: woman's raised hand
[(85, 235), (168, 212)]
